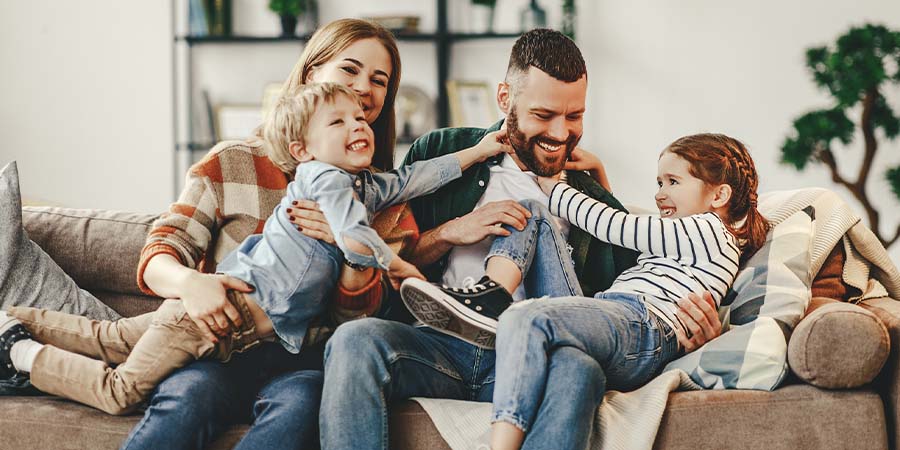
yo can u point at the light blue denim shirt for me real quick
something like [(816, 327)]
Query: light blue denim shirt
[(336, 192), (293, 275)]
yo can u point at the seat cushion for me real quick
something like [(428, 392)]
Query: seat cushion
[(793, 417)]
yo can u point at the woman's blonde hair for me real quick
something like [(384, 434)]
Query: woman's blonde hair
[(288, 120), (332, 39)]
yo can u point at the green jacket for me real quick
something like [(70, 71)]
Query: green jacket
[(597, 263)]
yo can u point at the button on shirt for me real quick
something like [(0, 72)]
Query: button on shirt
[(507, 182)]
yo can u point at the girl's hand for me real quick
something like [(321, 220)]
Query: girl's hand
[(581, 159), (400, 270), (309, 219), (547, 184)]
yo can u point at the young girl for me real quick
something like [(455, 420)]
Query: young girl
[(324, 128), (708, 226)]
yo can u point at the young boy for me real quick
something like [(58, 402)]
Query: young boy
[(324, 129)]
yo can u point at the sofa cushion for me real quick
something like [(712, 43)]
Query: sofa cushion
[(793, 417), (30, 277), (768, 298), (839, 346)]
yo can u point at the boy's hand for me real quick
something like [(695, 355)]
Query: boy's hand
[(400, 270), (493, 144)]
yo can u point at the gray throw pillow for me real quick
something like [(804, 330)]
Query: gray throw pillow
[(28, 276)]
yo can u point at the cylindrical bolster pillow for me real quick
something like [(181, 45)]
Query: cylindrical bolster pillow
[(838, 346)]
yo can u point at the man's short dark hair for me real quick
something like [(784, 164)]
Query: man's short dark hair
[(548, 50)]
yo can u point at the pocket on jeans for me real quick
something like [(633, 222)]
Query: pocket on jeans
[(644, 341)]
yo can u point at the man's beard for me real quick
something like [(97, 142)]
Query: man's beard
[(527, 153)]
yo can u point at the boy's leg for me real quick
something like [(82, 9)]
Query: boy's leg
[(172, 341), (110, 341), (541, 254), (370, 363)]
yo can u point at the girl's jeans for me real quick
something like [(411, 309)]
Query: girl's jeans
[(616, 330)]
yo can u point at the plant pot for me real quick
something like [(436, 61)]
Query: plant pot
[(288, 25), (482, 19)]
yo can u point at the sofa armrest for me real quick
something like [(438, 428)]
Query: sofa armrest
[(888, 382)]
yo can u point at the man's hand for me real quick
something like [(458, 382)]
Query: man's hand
[(400, 270), (205, 300), (700, 316), (486, 221)]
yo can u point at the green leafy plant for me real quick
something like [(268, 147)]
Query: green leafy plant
[(853, 72), (288, 7)]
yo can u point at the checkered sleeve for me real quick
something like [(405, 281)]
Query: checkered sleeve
[(186, 229)]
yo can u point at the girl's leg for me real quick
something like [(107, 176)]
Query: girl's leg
[(110, 341), (620, 335), (538, 254)]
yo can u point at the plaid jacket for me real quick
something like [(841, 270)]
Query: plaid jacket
[(228, 196)]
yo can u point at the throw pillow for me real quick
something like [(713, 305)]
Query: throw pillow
[(28, 276), (768, 298)]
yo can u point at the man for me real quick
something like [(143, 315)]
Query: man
[(371, 363)]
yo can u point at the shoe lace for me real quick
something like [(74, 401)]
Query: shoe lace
[(469, 286)]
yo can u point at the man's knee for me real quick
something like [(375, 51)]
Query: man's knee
[(360, 340)]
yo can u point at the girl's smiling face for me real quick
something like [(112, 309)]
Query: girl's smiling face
[(681, 194)]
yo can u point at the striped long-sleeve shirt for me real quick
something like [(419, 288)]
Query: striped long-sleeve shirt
[(678, 256)]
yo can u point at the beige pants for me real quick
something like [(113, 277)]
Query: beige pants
[(76, 361)]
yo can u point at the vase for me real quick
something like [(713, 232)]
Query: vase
[(218, 17), (533, 16), (288, 25), (482, 19)]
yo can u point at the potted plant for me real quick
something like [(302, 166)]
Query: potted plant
[(288, 11)]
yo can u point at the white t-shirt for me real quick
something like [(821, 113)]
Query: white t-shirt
[(507, 182)]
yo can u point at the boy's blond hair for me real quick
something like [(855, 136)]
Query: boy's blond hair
[(288, 119)]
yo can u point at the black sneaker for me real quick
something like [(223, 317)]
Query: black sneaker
[(11, 331), (469, 313)]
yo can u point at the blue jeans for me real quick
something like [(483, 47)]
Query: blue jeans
[(371, 363), (541, 253), (277, 392), (628, 344)]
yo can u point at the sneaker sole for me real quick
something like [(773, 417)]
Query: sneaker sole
[(443, 313)]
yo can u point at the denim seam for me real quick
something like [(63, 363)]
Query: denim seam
[(511, 418), (398, 356), (562, 258)]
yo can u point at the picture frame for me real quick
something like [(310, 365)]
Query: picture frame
[(237, 121), (471, 104)]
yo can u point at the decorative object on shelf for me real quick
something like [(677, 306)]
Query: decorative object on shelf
[(197, 25), (415, 113), (237, 121), (218, 17), (864, 63), (568, 19), (482, 20), (292, 11), (533, 16), (398, 24), (471, 104)]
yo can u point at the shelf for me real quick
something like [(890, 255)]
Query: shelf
[(422, 37)]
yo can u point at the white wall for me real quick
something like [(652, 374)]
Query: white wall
[(87, 86), (659, 70), (86, 109)]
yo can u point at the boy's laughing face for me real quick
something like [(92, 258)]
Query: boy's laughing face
[(339, 135)]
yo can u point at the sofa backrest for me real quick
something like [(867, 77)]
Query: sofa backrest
[(98, 249)]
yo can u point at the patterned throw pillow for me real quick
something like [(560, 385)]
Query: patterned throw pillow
[(28, 276), (767, 300)]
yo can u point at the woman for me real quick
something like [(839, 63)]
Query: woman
[(229, 195)]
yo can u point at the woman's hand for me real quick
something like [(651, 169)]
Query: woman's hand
[(205, 300), (400, 270), (701, 317), (581, 159), (309, 219)]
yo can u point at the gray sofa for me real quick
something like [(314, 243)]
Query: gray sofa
[(99, 249)]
